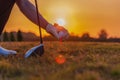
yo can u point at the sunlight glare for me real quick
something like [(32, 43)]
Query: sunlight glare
[(60, 59), (60, 21)]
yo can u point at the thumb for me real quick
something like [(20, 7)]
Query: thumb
[(52, 30)]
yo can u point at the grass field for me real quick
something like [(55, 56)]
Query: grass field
[(84, 61)]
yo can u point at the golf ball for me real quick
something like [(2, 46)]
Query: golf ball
[(61, 34)]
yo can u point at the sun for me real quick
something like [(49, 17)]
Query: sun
[(61, 22)]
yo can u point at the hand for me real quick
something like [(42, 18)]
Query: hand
[(58, 31), (62, 32)]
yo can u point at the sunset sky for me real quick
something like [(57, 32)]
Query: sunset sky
[(79, 15)]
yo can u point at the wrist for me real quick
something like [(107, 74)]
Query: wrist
[(49, 27), (52, 30)]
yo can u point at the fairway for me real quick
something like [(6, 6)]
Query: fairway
[(82, 61)]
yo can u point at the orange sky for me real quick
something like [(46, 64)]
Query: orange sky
[(80, 16)]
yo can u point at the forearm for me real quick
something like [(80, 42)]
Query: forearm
[(29, 10)]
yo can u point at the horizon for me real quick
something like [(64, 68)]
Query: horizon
[(80, 16), (71, 34)]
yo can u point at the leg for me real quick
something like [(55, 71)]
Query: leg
[(3, 51), (4, 15)]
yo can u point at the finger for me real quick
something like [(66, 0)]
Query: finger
[(56, 34), (66, 35)]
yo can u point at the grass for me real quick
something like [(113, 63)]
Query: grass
[(84, 61)]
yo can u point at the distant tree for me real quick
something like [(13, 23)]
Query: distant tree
[(103, 35), (12, 38), (5, 36), (85, 36), (19, 36)]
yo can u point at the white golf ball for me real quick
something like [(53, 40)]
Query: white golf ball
[(61, 34)]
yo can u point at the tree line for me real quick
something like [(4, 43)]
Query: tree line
[(11, 37), (22, 36), (102, 37)]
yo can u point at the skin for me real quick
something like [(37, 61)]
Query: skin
[(28, 9)]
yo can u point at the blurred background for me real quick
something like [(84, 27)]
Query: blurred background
[(78, 16)]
